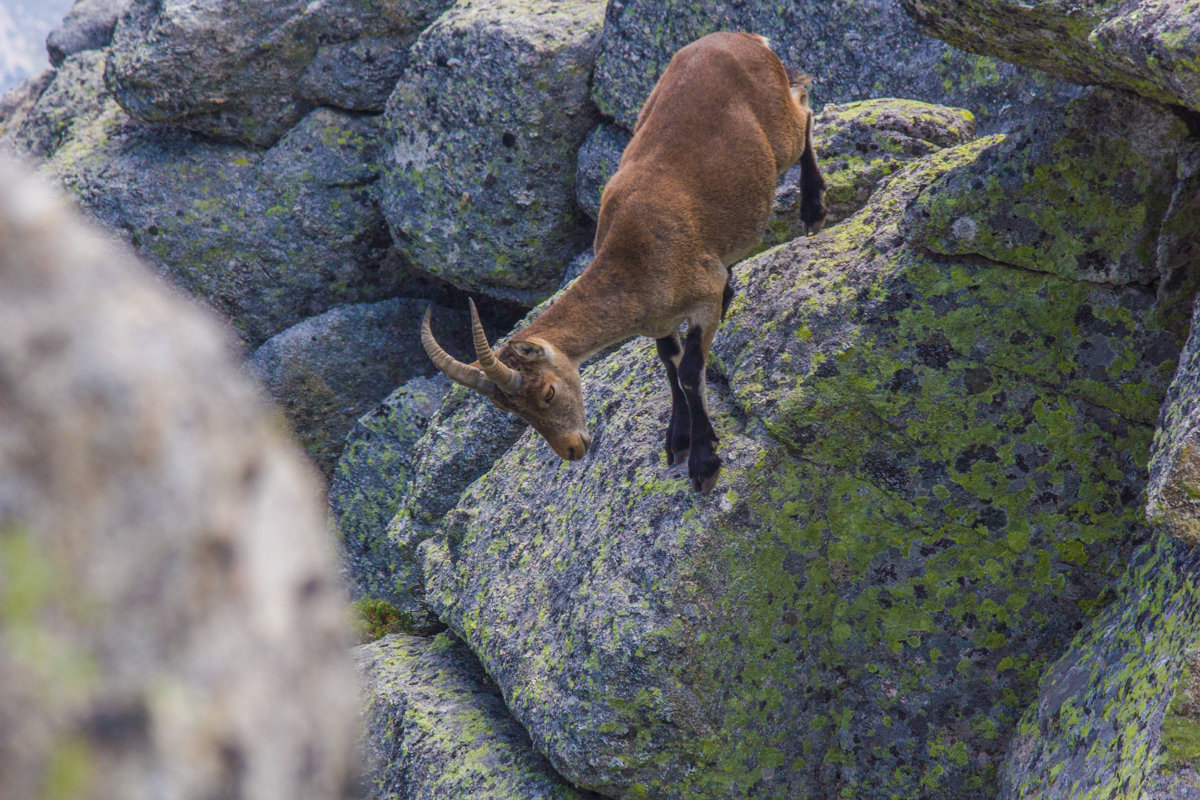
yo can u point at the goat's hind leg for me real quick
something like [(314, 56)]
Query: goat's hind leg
[(812, 185), (703, 462), (679, 430)]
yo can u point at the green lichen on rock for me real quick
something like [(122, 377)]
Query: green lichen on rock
[(241, 71), (436, 727), (483, 129), (858, 145), (1117, 716), (854, 51), (932, 478), (1080, 194), (1174, 492), (327, 371), (464, 439), (1181, 725), (370, 479), (43, 674), (1144, 46), (268, 239)]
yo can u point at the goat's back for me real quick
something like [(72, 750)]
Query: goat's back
[(708, 147)]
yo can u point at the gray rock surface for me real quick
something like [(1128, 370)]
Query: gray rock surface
[(1081, 193), (854, 51), (366, 487), (1143, 46), (88, 26), (233, 70), (599, 157), (1173, 495), (1119, 714), (464, 439), (435, 728), (357, 75), (932, 474), (171, 623), (267, 239), (73, 96), (483, 130), (17, 102), (328, 370)]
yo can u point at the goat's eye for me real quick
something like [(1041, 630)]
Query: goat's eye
[(549, 395)]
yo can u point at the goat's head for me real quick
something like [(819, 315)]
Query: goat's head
[(528, 377)]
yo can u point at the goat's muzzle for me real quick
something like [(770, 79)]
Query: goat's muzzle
[(572, 447)]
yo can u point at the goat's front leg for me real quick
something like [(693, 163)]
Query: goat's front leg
[(703, 463), (679, 430)]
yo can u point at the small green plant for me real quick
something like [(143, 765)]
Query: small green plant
[(373, 619)]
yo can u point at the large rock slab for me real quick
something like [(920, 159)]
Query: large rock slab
[(435, 727), (1083, 193), (1119, 714), (1143, 46), (483, 130), (267, 239), (374, 468), (327, 371), (170, 622), (933, 472), (233, 70), (854, 51), (463, 440)]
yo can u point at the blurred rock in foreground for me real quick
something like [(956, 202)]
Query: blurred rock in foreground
[(170, 623)]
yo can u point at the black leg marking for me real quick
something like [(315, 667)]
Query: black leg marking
[(679, 430), (703, 462), (812, 185), (727, 297)]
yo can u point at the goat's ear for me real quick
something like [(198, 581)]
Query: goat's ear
[(531, 350)]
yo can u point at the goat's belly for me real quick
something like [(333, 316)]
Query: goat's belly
[(661, 330)]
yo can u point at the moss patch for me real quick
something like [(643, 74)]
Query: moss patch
[(373, 619)]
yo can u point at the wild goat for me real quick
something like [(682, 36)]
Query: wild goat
[(690, 197)]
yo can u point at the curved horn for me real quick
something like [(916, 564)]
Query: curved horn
[(498, 373), (465, 374)]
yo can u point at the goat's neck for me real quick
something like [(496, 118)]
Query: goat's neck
[(590, 316)]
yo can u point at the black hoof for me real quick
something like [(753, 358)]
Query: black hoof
[(703, 471), (814, 221), (679, 444)]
